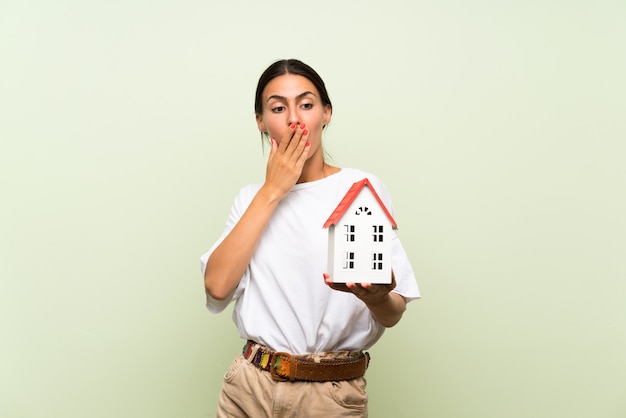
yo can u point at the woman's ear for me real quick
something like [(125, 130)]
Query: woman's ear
[(261, 124), (328, 113)]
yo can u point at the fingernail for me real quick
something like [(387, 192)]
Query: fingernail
[(306, 131), (308, 144), (293, 125), (302, 126)]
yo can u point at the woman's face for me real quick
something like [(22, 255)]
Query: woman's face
[(291, 99)]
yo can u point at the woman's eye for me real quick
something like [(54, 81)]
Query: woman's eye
[(307, 105), (278, 109)]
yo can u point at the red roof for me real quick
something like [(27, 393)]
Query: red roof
[(349, 198)]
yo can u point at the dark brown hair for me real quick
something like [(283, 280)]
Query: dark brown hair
[(289, 66)]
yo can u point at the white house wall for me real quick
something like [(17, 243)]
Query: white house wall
[(363, 247), (331, 251)]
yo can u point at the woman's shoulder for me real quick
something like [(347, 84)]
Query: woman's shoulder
[(252, 188), (246, 194)]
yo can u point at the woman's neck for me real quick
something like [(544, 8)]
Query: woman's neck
[(316, 169)]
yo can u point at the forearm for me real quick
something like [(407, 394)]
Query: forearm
[(389, 309), (229, 260)]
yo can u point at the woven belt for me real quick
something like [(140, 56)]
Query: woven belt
[(287, 367)]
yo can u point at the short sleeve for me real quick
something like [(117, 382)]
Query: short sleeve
[(406, 283), (241, 203)]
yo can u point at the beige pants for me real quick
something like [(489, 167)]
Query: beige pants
[(249, 392)]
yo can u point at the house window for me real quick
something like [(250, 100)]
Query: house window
[(377, 261), (363, 210), (349, 232), (378, 233), (348, 263)]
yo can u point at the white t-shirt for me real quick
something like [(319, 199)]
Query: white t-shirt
[(282, 301)]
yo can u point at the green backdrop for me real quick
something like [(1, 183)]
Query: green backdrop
[(127, 127)]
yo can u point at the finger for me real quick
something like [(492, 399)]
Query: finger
[(301, 150), (274, 146), (298, 140), (393, 283), (287, 137), (354, 287), (273, 151), (329, 281), (304, 153), (335, 286)]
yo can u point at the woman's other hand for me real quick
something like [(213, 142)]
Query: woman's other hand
[(386, 306)]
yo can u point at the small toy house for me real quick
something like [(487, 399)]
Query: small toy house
[(359, 237)]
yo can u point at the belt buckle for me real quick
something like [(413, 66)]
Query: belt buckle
[(288, 370)]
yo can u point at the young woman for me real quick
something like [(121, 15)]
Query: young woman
[(305, 335)]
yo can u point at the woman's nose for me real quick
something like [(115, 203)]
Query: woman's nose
[(293, 117)]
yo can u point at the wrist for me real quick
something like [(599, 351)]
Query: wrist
[(270, 195)]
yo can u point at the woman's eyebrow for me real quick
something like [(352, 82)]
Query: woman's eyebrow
[(298, 97)]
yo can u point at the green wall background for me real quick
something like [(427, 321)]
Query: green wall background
[(127, 127)]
